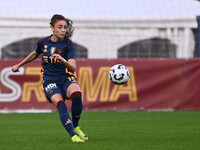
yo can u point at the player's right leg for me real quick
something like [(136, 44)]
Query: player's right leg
[(54, 95), (64, 117)]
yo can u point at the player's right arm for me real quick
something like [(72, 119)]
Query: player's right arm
[(32, 56)]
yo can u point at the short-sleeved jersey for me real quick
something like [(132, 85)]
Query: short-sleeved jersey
[(51, 67)]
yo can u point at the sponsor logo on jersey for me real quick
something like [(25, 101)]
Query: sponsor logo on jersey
[(50, 87)]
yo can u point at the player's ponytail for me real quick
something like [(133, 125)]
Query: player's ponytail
[(70, 28)]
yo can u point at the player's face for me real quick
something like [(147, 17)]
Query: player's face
[(59, 29)]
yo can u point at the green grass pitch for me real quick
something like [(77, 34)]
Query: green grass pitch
[(137, 130)]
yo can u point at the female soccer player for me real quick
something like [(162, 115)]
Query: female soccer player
[(58, 67)]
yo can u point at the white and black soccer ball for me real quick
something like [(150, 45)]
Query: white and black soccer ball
[(119, 74)]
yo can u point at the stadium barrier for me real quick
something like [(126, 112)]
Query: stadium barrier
[(154, 84)]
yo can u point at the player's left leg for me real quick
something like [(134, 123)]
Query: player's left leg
[(74, 91), (76, 107)]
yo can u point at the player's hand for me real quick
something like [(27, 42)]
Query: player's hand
[(58, 57), (15, 68)]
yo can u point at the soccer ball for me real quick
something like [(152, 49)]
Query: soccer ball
[(119, 74)]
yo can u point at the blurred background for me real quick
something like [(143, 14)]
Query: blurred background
[(157, 39), (105, 28)]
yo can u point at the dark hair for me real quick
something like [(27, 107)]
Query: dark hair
[(70, 28)]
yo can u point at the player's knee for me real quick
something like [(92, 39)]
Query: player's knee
[(56, 98)]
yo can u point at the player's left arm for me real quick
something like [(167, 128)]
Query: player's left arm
[(70, 64)]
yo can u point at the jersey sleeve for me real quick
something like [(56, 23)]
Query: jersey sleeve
[(38, 48), (71, 50)]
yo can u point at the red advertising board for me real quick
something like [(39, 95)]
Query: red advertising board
[(154, 84)]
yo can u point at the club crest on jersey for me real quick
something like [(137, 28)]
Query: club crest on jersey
[(53, 49), (60, 51), (50, 87), (51, 92)]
